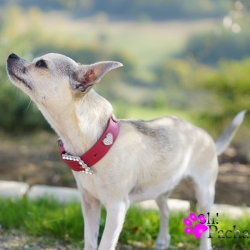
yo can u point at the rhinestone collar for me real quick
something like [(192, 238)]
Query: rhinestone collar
[(84, 162)]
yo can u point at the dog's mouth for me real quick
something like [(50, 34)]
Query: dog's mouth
[(13, 75)]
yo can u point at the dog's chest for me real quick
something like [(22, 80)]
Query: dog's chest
[(86, 183)]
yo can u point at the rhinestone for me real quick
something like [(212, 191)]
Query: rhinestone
[(108, 140)]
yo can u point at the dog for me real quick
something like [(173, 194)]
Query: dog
[(146, 160)]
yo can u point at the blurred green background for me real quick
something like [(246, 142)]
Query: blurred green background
[(186, 58)]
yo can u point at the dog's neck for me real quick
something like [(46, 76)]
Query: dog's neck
[(80, 125)]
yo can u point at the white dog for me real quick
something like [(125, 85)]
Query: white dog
[(146, 161)]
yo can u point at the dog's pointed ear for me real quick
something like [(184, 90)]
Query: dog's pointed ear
[(87, 75)]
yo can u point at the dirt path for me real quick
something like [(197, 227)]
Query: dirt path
[(14, 240)]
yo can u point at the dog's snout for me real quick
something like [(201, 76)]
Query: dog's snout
[(13, 56)]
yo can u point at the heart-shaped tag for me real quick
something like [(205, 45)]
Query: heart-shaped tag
[(108, 140), (199, 229)]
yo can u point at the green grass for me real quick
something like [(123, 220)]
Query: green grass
[(129, 111), (158, 39), (149, 42), (49, 218)]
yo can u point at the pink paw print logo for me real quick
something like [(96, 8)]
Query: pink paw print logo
[(198, 229)]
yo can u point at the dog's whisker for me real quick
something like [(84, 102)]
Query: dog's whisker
[(25, 111)]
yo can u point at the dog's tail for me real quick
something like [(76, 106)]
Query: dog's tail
[(228, 134)]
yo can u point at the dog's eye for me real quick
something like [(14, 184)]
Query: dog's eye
[(41, 64)]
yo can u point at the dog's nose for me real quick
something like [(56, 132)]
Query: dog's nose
[(13, 56)]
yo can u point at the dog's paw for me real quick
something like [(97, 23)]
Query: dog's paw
[(161, 247), (162, 243)]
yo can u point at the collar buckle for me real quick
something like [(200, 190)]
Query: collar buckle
[(59, 143)]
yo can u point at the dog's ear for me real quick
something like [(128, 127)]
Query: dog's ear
[(87, 75)]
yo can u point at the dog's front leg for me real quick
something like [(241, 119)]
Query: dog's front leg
[(91, 213), (116, 212)]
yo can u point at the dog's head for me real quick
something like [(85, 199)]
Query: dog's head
[(55, 78)]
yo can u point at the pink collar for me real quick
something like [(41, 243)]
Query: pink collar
[(96, 153)]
